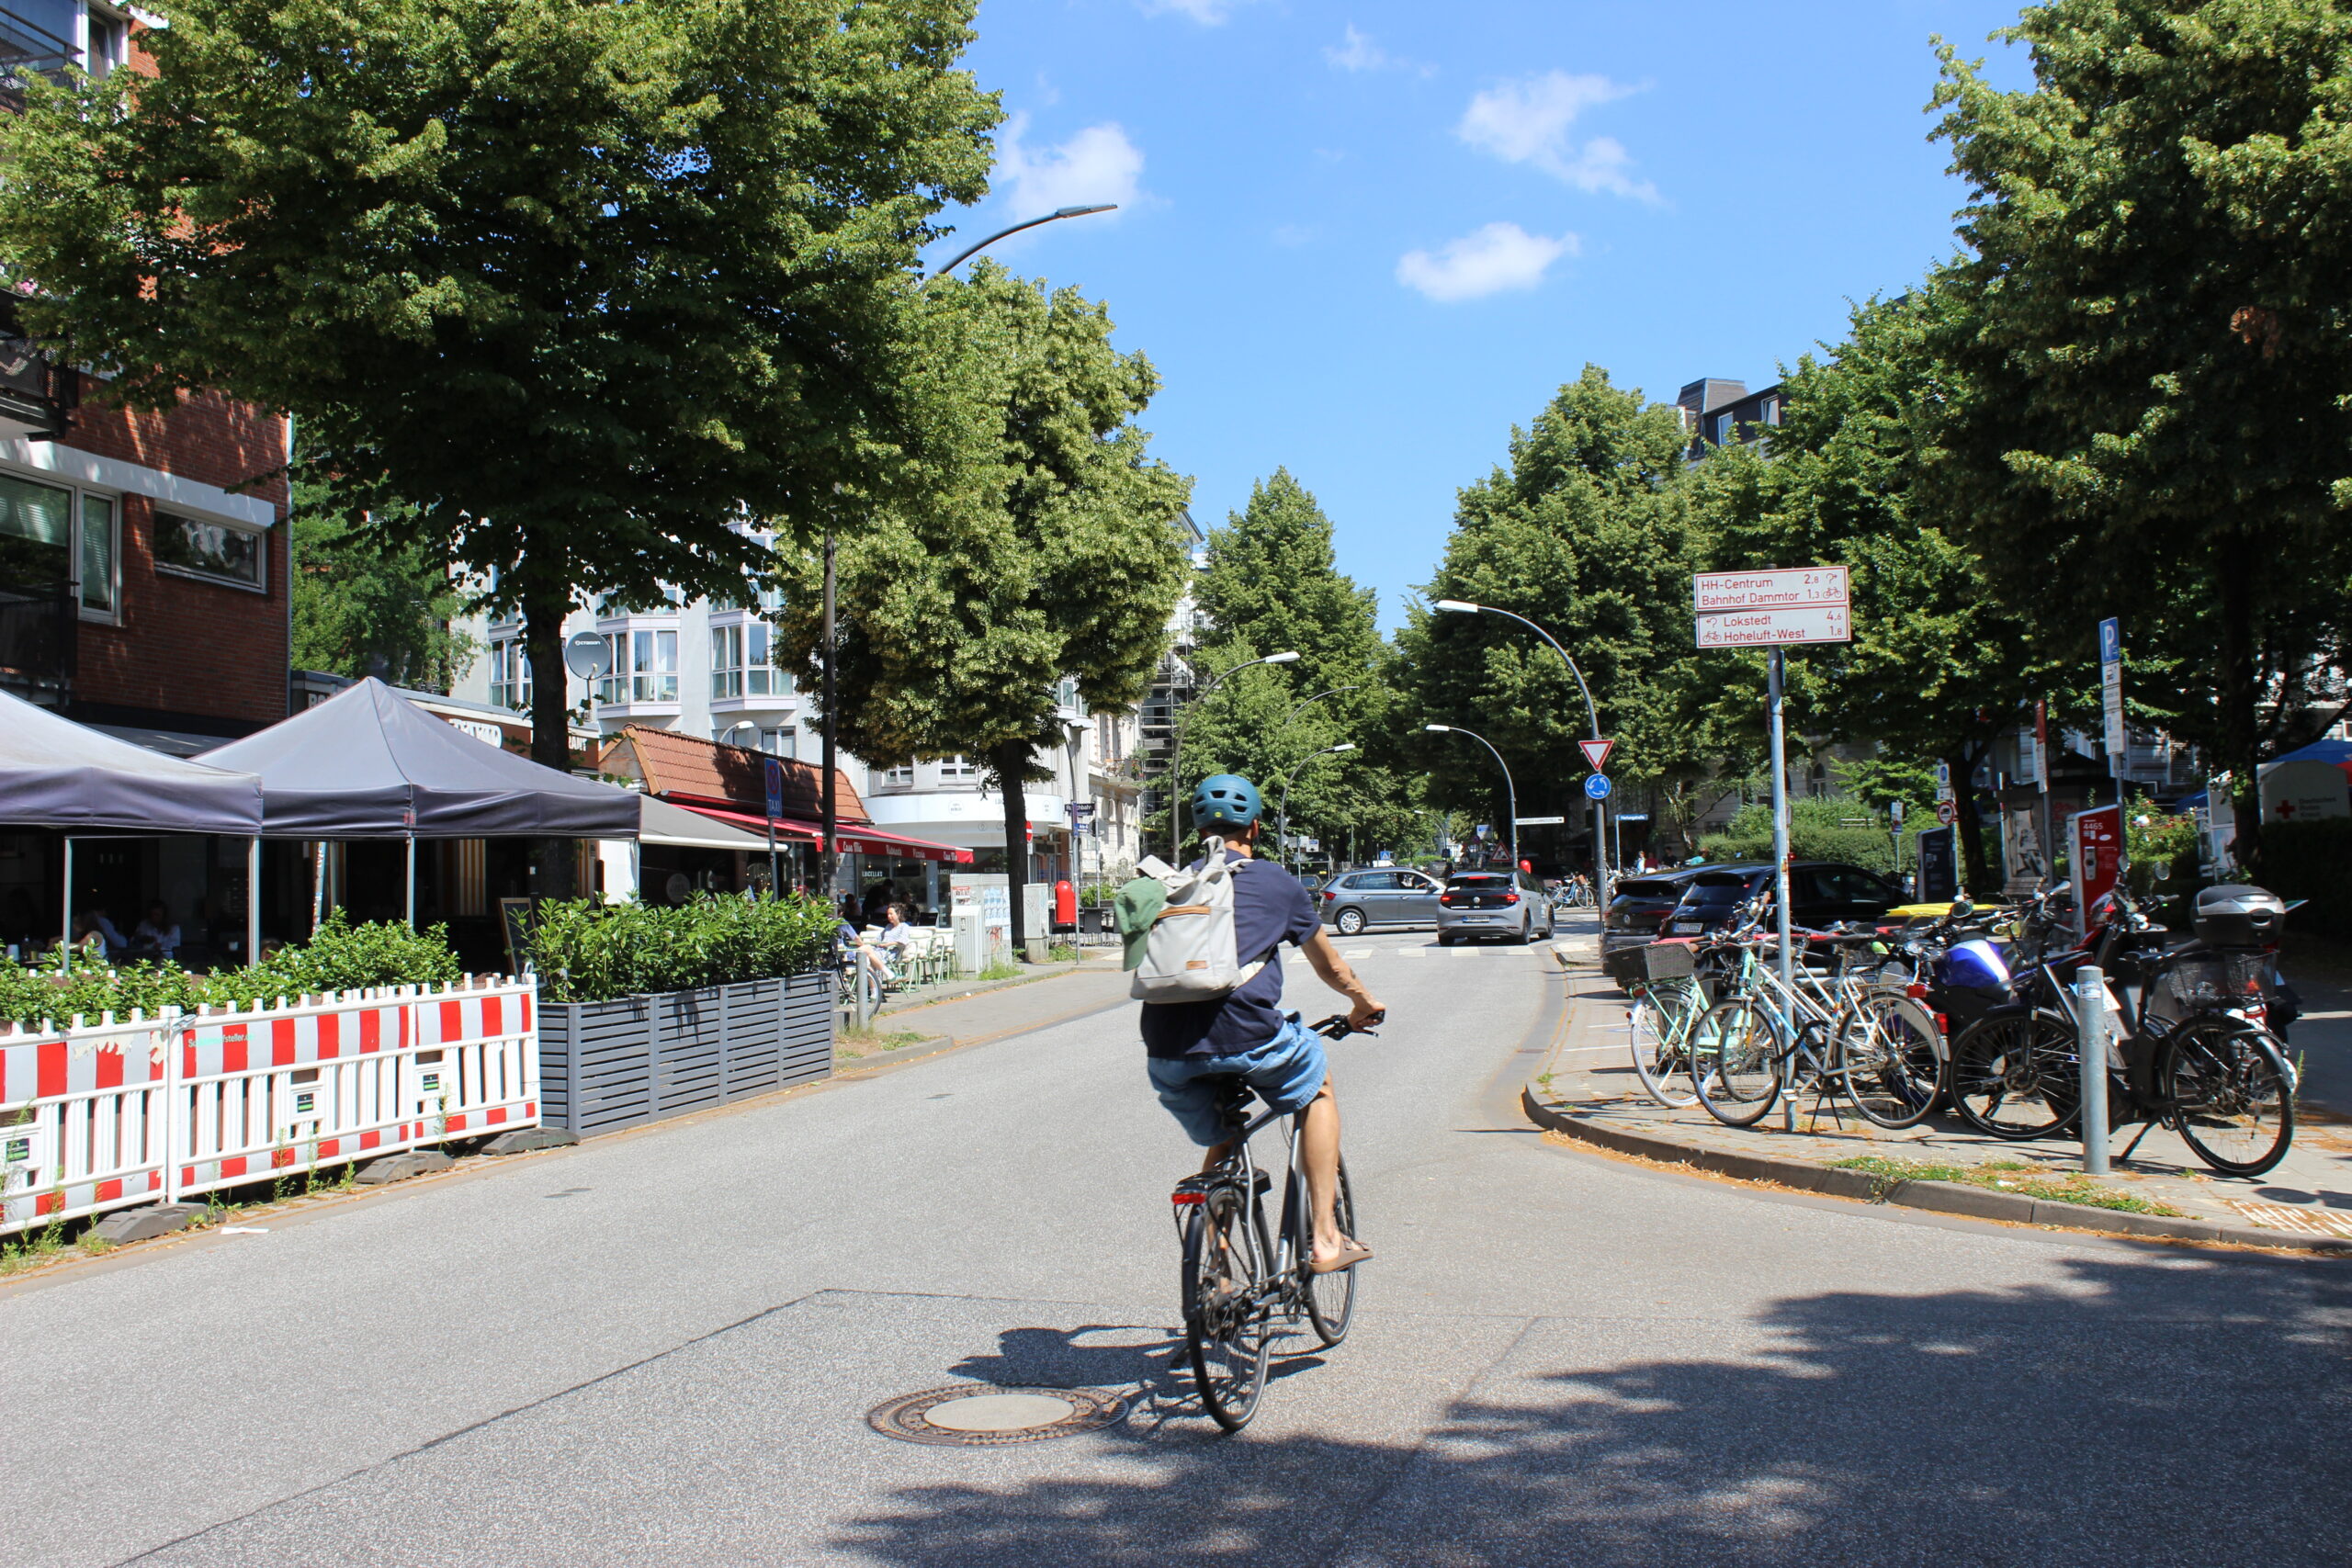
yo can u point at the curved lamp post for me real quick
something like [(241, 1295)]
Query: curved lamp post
[(1055, 216), (1599, 816), (1176, 754), (1282, 812), (1509, 789), (1304, 702)]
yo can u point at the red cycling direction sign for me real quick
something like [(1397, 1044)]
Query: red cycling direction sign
[(1596, 752)]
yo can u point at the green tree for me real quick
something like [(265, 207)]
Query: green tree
[(368, 602), (568, 287), (1941, 659), (1586, 533), (1044, 549), (1271, 582), (2159, 229)]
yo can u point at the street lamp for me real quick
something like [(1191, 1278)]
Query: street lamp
[(1599, 811), (1055, 216), (1509, 789), (1281, 813), (1176, 755)]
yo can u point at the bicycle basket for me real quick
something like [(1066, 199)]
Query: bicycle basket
[(1667, 961), (2208, 982)]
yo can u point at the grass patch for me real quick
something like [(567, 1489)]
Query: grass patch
[(999, 972), (1061, 953), (2010, 1176)]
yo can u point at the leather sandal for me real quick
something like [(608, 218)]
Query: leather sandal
[(1351, 1254)]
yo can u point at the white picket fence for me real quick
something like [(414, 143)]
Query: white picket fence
[(107, 1115)]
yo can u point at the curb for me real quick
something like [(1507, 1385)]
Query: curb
[(1940, 1197)]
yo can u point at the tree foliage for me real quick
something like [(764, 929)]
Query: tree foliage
[(369, 602), (582, 283), (1585, 532), (1043, 547), (2156, 320)]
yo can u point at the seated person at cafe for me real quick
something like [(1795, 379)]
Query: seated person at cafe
[(158, 934)]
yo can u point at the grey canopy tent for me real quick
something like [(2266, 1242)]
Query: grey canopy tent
[(368, 763), (57, 774)]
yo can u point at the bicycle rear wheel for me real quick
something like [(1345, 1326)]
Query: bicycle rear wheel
[(1225, 1314), (1331, 1298), (2232, 1094), (1736, 1061), (1887, 1059), (2015, 1076), (1663, 1019)]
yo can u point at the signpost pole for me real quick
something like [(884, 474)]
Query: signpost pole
[(2041, 778), (1780, 815), (774, 780)]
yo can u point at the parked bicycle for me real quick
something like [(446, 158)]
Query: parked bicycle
[(1242, 1278)]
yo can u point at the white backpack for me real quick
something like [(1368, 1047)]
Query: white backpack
[(1190, 955)]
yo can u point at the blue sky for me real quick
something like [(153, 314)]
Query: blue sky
[(1365, 239)]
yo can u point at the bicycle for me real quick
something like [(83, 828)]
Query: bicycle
[(1238, 1275)]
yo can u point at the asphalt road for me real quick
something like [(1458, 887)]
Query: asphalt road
[(660, 1348)]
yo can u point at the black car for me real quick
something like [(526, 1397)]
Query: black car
[(1821, 893), (1638, 905)]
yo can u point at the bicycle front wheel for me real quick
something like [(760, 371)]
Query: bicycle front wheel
[(2014, 1075), (1662, 1022), (2231, 1095), (1736, 1061), (1331, 1298), (1224, 1312), (1887, 1060)]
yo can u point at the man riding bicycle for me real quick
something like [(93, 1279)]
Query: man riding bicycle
[(1245, 1033)]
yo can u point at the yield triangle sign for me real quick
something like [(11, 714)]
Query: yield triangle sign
[(1596, 752)]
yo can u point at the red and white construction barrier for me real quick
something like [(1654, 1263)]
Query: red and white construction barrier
[(102, 1115)]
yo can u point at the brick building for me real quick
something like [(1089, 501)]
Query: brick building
[(142, 555)]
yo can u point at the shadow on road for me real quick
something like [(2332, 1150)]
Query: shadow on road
[(2157, 1409)]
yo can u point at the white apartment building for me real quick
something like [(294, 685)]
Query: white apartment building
[(703, 668)]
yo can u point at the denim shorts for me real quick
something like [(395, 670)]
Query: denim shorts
[(1287, 1071)]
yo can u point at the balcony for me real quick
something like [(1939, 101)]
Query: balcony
[(28, 50), (37, 622)]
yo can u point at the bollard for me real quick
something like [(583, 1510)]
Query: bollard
[(2091, 1026)]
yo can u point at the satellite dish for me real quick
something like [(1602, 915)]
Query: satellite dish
[(746, 735), (588, 655)]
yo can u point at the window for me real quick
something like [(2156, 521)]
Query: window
[(902, 775), (1722, 428), (211, 551), (956, 767), (645, 668), (99, 554), (743, 662), (510, 675), (1772, 411), (1065, 692), (44, 541)]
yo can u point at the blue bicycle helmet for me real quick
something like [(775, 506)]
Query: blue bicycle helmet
[(1225, 800)]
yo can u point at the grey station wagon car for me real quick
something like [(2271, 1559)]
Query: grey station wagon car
[(1507, 904), (1353, 901)]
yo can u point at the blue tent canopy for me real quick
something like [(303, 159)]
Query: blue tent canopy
[(2336, 752)]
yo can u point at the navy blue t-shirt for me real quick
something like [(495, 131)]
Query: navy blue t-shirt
[(1269, 907)]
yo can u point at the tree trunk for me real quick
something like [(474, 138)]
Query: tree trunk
[(545, 604), (2233, 569), (1012, 762), (1977, 870)]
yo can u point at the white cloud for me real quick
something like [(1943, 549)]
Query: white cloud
[(1358, 52), (1491, 260), (1098, 164), (1208, 13), (1528, 122)]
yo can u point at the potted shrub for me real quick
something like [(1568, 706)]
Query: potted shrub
[(648, 1012)]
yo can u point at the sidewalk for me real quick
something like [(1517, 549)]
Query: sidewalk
[(1586, 1089), (971, 1012)]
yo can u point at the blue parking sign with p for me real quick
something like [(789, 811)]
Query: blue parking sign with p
[(2110, 641)]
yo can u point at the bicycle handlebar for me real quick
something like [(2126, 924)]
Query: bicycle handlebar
[(1337, 1026)]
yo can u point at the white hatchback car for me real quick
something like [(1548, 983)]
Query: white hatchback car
[(1507, 904)]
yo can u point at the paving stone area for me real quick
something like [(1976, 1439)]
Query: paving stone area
[(1589, 1074)]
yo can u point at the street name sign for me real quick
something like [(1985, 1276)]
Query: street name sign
[(1597, 786), (1596, 754), (1540, 821)]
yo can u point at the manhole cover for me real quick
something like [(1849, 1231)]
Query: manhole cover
[(974, 1414)]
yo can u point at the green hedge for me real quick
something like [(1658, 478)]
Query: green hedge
[(1816, 831), (589, 952), (2313, 860), (339, 957)]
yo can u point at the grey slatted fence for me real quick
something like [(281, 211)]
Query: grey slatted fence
[(606, 1066)]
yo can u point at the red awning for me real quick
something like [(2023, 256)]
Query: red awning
[(852, 839)]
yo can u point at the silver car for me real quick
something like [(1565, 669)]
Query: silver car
[(1358, 900), (1510, 905)]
